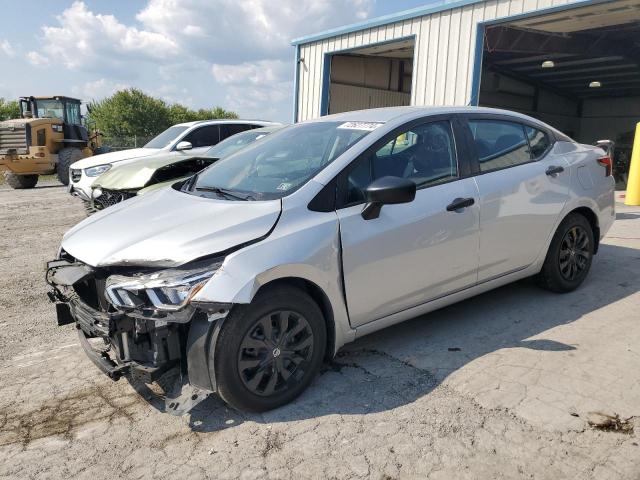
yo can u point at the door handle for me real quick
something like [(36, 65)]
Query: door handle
[(552, 171), (459, 203)]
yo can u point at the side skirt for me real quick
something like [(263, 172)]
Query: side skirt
[(441, 302)]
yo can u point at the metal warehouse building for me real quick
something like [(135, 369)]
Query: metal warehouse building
[(573, 64)]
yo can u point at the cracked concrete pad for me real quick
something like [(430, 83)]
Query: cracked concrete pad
[(402, 403)]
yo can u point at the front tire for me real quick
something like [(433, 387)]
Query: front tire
[(20, 182), (269, 351), (569, 257), (66, 157)]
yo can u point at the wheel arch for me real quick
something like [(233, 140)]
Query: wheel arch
[(319, 297), (592, 218)]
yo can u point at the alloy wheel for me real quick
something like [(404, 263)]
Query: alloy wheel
[(574, 253), (275, 352)]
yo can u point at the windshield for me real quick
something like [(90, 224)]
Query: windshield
[(282, 162), (235, 143), (50, 109), (166, 138)]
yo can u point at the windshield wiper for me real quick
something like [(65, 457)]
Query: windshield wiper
[(223, 192)]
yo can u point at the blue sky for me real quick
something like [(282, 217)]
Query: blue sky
[(201, 53)]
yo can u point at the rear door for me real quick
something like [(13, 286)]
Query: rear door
[(520, 197), (232, 128), (417, 251)]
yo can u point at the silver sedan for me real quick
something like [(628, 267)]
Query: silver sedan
[(248, 275)]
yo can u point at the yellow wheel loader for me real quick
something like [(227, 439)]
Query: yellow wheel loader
[(47, 138)]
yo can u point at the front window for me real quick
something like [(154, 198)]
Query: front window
[(203, 136), (426, 154), (235, 143), (166, 138), (50, 109), (282, 162)]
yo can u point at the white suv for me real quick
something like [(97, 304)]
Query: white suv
[(189, 139)]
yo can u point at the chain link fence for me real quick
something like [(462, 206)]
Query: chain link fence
[(123, 143)]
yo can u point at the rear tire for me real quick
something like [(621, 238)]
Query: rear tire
[(66, 157), (20, 182), (569, 257), (269, 351)]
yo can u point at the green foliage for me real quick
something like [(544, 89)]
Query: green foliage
[(9, 109), (131, 112)]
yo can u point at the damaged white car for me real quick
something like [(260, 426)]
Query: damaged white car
[(249, 274)]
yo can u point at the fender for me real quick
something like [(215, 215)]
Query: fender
[(304, 245)]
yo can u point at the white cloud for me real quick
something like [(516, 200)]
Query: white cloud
[(242, 46), (7, 49), (97, 89), (255, 87), (37, 60), (84, 40), (226, 31)]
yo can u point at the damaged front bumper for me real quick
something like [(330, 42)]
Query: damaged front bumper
[(140, 347)]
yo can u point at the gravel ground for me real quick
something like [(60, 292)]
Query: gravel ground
[(498, 386)]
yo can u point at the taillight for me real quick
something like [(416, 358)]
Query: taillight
[(607, 164)]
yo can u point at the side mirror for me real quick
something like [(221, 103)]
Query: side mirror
[(184, 146), (387, 191)]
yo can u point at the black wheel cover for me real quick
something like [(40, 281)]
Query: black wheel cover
[(275, 353), (575, 252)]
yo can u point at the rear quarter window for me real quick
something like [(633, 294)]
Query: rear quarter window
[(539, 142)]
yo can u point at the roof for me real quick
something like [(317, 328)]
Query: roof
[(218, 121), (55, 97), (387, 114), (430, 8)]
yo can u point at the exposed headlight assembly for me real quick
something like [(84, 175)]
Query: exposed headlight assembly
[(97, 170), (167, 290)]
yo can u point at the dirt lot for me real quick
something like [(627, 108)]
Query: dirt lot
[(498, 386)]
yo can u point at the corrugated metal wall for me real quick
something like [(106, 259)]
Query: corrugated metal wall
[(348, 98), (443, 58)]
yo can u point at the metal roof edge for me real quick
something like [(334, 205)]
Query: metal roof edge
[(385, 19)]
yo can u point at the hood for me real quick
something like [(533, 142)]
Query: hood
[(168, 228), (134, 174), (114, 157)]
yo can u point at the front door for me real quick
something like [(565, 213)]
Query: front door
[(413, 252)]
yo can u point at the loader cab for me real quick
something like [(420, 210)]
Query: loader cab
[(63, 108)]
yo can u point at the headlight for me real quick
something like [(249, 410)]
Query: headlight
[(97, 170), (164, 290), (57, 128)]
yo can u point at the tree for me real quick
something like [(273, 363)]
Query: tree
[(9, 109), (132, 113), (129, 113), (180, 113)]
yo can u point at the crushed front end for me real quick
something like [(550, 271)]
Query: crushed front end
[(102, 198), (140, 323)]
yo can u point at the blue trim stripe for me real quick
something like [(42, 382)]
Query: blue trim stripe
[(326, 83), (477, 65), (296, 88)]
